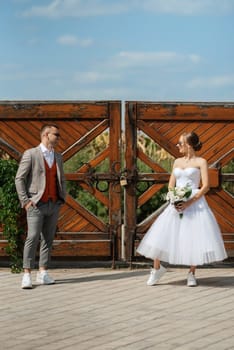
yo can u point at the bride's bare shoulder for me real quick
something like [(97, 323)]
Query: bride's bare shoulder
[(178, 162), (201, 161)]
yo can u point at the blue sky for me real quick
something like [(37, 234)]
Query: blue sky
[(149, 50)]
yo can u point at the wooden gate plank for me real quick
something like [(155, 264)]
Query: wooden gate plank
[(53, 110), (185, 111)]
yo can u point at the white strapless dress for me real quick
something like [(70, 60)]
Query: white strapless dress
[(194, 239)]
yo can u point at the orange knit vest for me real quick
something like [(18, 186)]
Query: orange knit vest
[(50, 192)]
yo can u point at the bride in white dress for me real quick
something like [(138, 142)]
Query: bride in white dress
[(186, 233)]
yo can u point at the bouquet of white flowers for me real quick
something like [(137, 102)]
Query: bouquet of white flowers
[(177, 195)]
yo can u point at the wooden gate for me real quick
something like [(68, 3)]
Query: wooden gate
[(163, 123), (81, 234)]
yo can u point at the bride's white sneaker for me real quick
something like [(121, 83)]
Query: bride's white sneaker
[(191, 280), (155, 275)]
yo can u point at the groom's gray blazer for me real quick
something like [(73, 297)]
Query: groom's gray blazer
[(30, 179)]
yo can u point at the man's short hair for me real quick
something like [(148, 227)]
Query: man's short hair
[(48, 126)]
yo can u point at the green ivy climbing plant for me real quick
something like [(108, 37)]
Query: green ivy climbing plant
[(11, 214)]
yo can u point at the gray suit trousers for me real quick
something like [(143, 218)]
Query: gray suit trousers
[(42, 222)]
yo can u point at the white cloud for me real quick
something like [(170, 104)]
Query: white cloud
[(33, 41), (19, 73), (141, 58), (82, 8), (77, 8), (113, 70), (43, 11), (99, 93), (20, 1), (212, 82), (194, 58), (95, 76), (189, 7), (71, 40)]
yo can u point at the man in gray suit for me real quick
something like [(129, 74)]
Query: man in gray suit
[(40, 184)]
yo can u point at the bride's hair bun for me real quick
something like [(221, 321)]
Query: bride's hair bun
[(193, 140)]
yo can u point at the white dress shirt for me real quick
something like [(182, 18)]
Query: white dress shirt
[(48, 155)]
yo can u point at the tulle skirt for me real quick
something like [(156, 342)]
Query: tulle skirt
[(194, 239)]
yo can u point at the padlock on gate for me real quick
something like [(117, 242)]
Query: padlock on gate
[(123, 181)]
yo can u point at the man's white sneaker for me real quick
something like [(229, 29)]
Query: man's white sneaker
[(191, 280), (155, 275), (26, 281), (44, 278)]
